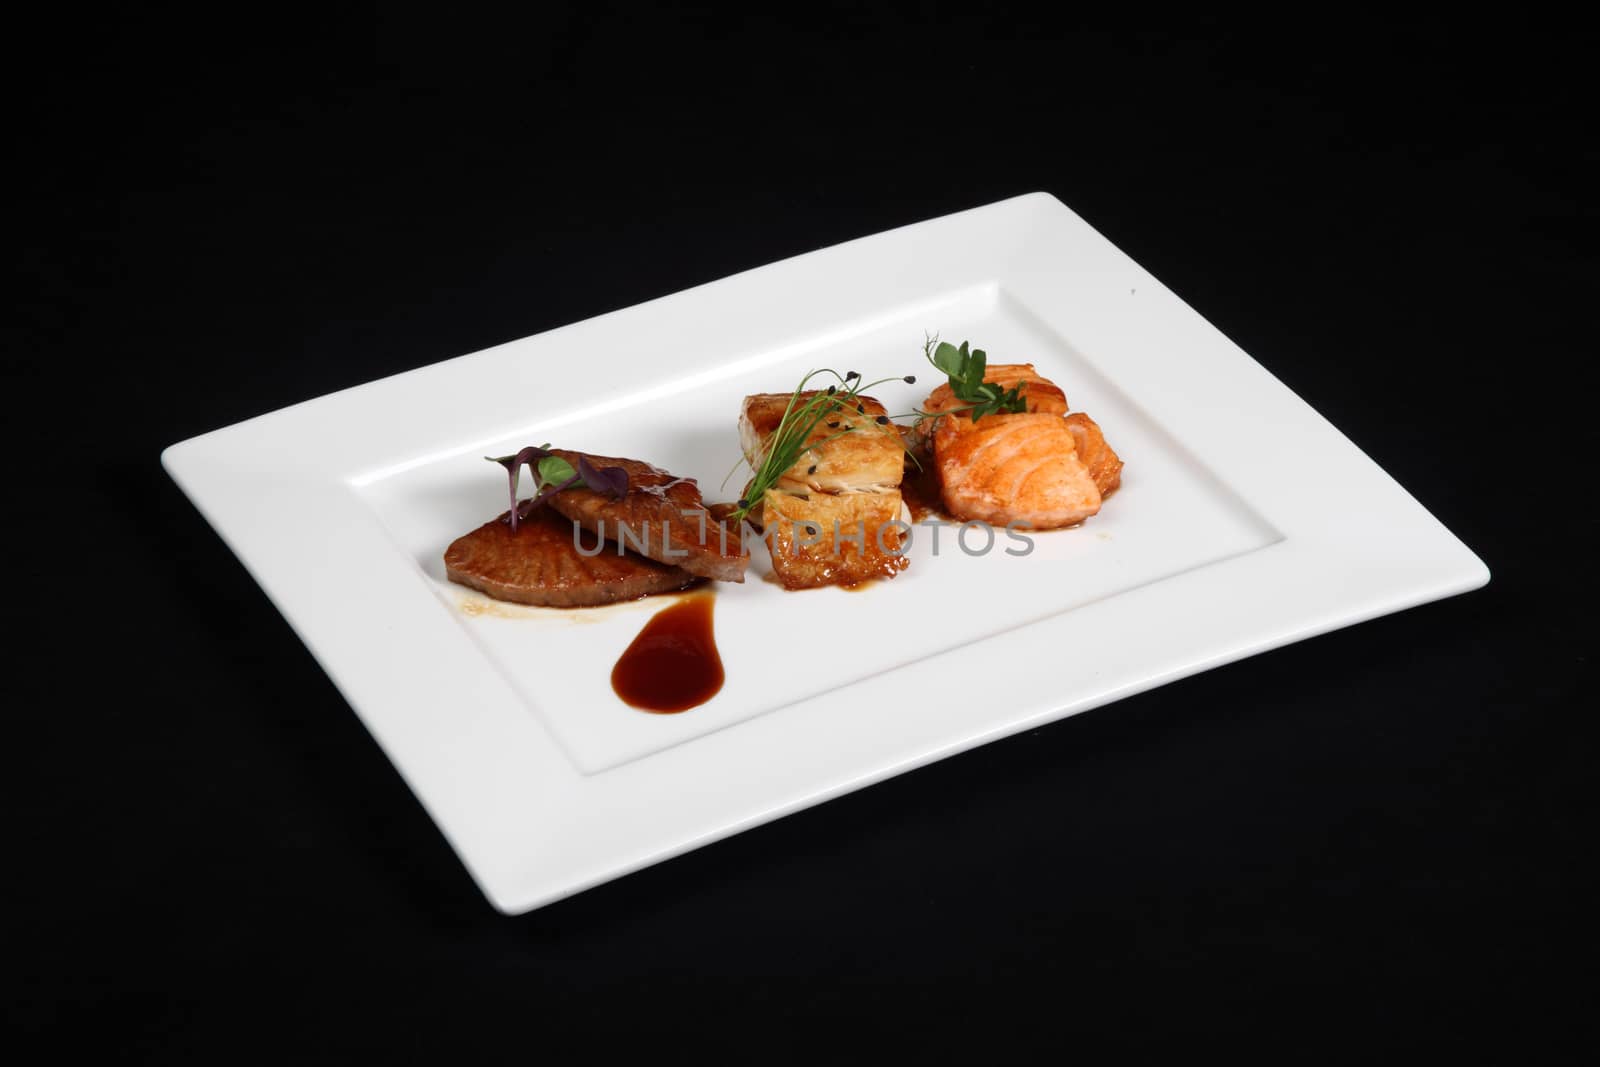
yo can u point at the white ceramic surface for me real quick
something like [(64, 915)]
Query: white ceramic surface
[(1245, 521)]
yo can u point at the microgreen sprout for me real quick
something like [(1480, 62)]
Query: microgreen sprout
[(965, 370), (552, 474), (791, 439)]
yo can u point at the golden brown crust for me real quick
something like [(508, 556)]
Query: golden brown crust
[(833, 538), (867, 454)]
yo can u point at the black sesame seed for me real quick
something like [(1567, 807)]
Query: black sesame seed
[(811, 469), (830, 390), (911, 379), (833, 425), (852, 374), (883, 420), (743, 503), (860, 409)]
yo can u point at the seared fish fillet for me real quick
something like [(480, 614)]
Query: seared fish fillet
[(540, 564), (661, 517), (1040, 394), (824, 517), (868, 456), (833, 538), (1020, 468), (1105, 467)]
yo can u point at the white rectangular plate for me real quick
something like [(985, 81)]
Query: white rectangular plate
[(1245, 521)]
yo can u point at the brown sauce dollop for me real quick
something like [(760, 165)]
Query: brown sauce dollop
[(673, 665)]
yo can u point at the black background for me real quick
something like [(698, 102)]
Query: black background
[(1369, 840)]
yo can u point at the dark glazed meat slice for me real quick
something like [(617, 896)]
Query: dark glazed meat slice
[(661, 517), (539, 564)]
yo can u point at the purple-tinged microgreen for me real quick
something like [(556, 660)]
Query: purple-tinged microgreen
[(552, 474)]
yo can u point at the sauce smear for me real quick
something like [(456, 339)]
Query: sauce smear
[(920, 491), (673, 664)]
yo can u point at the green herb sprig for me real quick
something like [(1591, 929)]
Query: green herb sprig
[(965, 369), (792, 438)]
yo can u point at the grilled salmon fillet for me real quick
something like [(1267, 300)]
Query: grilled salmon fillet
[(1021, 468), (867, 455), (661, 517), (1105, 467), (539, 563), (1041, 467), (1040, 393)]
